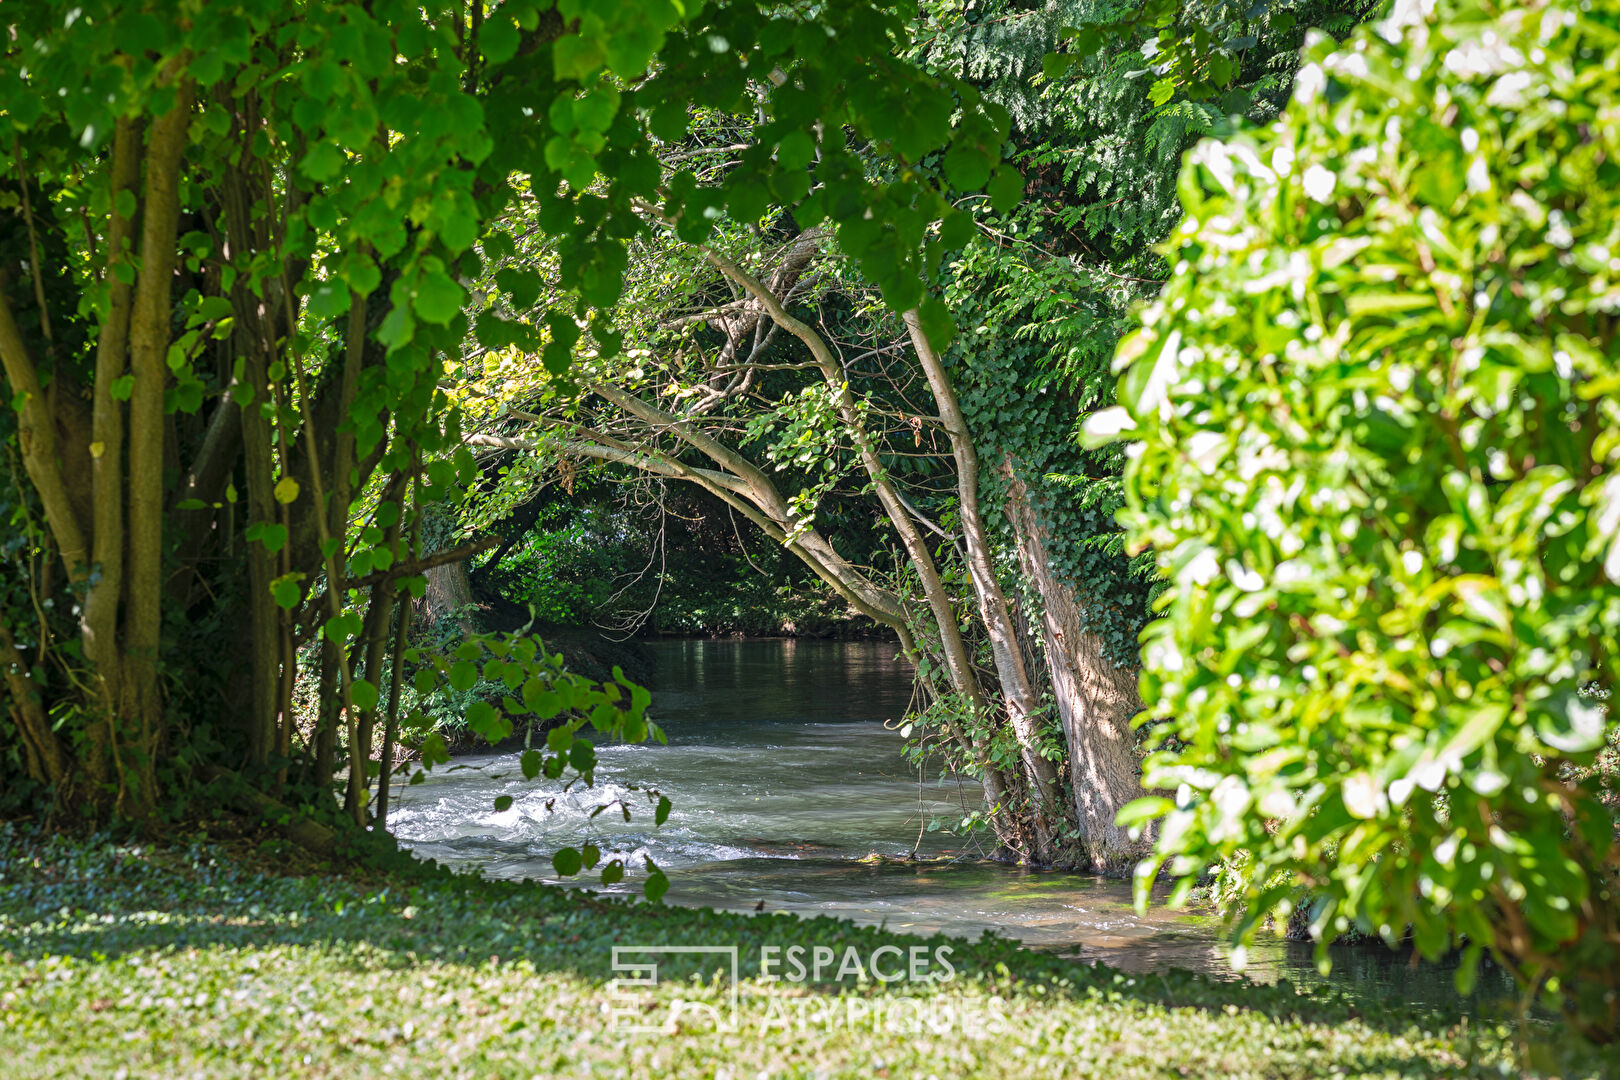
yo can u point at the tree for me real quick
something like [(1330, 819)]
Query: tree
[(1375, 413), (226, 387), (1043, 296)]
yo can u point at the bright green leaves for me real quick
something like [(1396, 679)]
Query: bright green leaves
[(273, 535), (621, 36), (559, 350), (535, 691), (1197, 50), (581, 123), (500, 37), (936, 322), (341, 628), (363, 694), (795, 150), (657, 883), (1005, 188), (438, 298), (594, 110), (1372, 452), (287, 590), (455, 219)]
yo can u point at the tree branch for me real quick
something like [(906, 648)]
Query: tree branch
[(36, 433)]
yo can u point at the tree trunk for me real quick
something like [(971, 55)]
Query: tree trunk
[(1017, 691), (99, 624), (150, 316), (47, 758), (1096, 699), (448, 592)]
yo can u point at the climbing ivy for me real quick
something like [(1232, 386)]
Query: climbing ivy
[(1044, 292)]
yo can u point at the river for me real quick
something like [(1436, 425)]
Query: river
[(785, 770)]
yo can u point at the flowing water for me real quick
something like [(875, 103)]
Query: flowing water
[(786, 772)]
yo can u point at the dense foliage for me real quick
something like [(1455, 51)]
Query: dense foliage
[(236, 257), (1378, 419)]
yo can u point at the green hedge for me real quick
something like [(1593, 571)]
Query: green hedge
[(1377, 413)]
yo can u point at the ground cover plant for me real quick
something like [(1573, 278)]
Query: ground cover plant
[(120, 958)]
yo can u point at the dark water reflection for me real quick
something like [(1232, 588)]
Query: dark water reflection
[(783, 774)]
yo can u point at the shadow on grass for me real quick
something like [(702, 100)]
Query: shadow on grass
[(98, 900)]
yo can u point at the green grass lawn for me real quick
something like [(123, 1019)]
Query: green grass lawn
[(120, 959)]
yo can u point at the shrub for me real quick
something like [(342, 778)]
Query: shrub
[(1378, 418)]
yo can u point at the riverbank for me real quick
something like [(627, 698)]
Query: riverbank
[(206, 960)]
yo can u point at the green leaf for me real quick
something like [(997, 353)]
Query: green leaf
[(342, 627), (503, 803), (523, 286), (485, 722), (1006, 188), (499, 39), (270, 534), (656, 885), (967, 166), (363, 695), (434, 751), (567, 862), (582, 756), (937, 325), (463, 674), (323, 162), (574, 57), (438, 298), (286, 590), (1140, 811)]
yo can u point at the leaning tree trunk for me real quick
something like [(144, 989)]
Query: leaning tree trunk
[(1017, 690), (1096, 698)]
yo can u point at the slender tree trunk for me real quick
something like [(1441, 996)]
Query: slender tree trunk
[(148, 349), (37, 439), (1096, 699), (1023, 703), (327, 713), (99, 624), (258, 455), (379, 618), (385, 768), (447, 591), (47, 760)]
